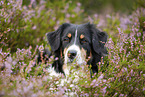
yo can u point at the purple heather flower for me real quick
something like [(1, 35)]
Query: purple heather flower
[(108, 16), (41, 48), (121, 95), (96, 16), (56, 58), (143, 89), (90, 19), (104, 90)]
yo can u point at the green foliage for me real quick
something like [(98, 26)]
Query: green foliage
[(141, 3), (102, 6)]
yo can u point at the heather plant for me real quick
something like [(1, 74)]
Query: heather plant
[(22, 26), (21, 75)]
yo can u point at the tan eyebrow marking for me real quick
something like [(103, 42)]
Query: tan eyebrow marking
[(69, 35), (82, 36)]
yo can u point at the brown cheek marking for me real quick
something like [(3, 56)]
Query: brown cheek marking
[(64, 65), (89, 57), (82, 36), (61, 53), (69, 35), (65, 51), (83, 54)]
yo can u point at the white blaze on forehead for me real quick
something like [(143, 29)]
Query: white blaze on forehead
[(76, 32)]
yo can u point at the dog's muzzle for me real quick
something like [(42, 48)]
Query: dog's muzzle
[(71, 55), (74, 54)]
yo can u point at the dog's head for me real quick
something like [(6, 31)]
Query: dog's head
[(77, 43)]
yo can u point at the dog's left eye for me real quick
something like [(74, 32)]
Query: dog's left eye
[(66, 39), (84, 41)]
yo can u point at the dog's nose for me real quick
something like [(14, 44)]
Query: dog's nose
[(72, 54)]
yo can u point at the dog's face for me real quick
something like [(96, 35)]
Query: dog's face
[(76, 43)]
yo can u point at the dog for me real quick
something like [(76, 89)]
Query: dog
[(78, 44)]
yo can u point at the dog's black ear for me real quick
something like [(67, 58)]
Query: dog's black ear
[(98, 40), (54, 37)]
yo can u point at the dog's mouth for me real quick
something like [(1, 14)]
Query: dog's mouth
[(75, 60), (71, 61)]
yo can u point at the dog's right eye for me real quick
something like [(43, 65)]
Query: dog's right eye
[(66, 39), (84, 41)]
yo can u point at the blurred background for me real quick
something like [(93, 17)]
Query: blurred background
[(101, 6), (24, 23)]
